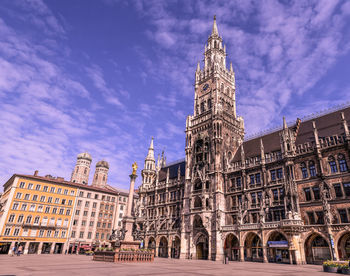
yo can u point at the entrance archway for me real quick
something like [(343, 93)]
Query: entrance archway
[(175, 248), (253, 251), (163, 248), (202, 247), (278, 248), (152, 245), (344, 247), (231, 247), (316, 249)]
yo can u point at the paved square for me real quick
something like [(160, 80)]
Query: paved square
[(53, 265)]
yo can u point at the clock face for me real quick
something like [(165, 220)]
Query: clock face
[(205, 87)]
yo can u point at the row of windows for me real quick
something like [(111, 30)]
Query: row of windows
[(34, 233), (30, 186), (255, 179), (29, 220), (313, 193), (341, 164), (47, 210), (89, 235), (43, 199), (96, 196)]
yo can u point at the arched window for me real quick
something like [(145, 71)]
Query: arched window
[(77, 169), (197, 202), (312, 168), (198, 185), (209, 103), (304, 171), (202, 107), (332, 164), (104, 178), (85, 171), (342, 163), (214, 44)]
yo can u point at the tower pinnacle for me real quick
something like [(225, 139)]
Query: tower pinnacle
[(215, 28), (150, 154)]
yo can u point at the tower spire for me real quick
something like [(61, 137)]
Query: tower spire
[(150, 154), (215, 28)]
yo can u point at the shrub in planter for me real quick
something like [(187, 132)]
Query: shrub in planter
[(345, 269), (331, 266)]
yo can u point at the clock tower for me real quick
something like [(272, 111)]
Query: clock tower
[(213, 134)]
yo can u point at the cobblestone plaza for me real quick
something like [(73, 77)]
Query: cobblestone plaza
[(83, 265)]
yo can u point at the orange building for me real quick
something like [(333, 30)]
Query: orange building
[(36, 214)]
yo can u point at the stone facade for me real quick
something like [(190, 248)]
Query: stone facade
[(279, 197)]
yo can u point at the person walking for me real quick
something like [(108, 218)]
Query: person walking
[(14, 250), (20, 248)]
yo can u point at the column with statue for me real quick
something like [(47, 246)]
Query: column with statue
[(127, 239)]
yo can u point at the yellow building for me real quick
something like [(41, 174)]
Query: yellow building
[(35, 213)]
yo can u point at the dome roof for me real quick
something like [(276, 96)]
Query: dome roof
[(84, 155), (102, 163)]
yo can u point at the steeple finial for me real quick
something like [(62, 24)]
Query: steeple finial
[(198, 67), (231, 67), (215, 27)]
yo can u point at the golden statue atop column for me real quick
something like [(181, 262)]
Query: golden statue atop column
[(134, 168)]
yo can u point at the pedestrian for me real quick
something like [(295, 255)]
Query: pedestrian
[(65, 252), (20, 248), (14, 250)]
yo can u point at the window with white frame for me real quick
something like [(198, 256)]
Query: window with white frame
[(18, 195), (22, 184), (24, 207), (7, 231), (11, 218), (16, 232), (41, 233), (30, 186)]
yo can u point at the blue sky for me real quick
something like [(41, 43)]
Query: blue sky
[(106, 76)]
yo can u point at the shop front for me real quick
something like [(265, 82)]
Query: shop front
[(33, 248), (278, 252), (46, 248), (58, 248), (5, 247)]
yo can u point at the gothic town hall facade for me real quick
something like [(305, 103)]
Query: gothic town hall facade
[(280, 197)]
